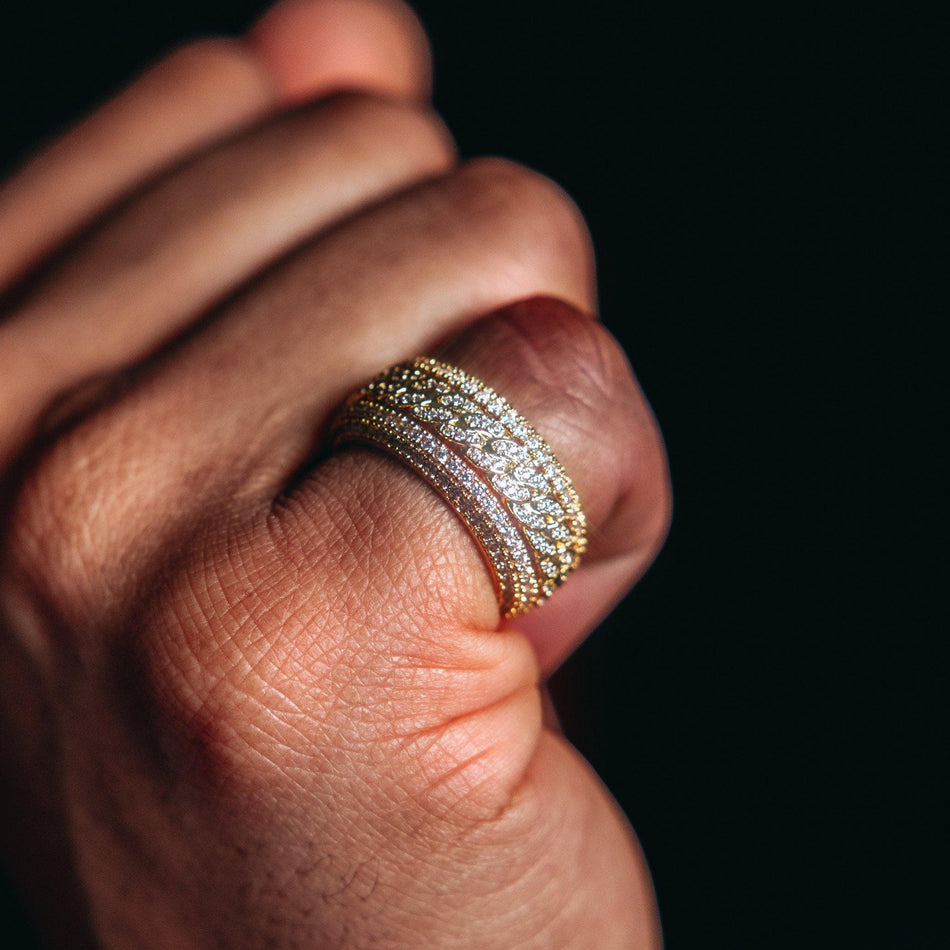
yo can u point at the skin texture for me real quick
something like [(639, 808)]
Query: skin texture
[(256, 695)]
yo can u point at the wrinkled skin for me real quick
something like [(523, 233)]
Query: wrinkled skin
[(253, 694)]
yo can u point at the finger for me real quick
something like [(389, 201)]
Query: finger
[(198, 94), (566, 375), (186, 242), (239, 407), (570, 378), (295, 37)]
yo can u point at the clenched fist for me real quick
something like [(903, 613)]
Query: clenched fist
[(254, 692)]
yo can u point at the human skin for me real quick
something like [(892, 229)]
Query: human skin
[(254, 694)]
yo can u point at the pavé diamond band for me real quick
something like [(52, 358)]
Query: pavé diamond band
[(492, 467)]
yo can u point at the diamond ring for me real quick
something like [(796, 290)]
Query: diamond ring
[(490, 465)]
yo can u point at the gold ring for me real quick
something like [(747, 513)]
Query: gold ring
[(491, 466)]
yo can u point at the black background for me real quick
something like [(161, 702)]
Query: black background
[(765, 191)]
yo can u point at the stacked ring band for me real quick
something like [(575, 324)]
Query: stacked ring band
[(491, 466)]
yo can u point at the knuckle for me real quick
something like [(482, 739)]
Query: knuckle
[(574, 365), (388, 125), (601, 389), (527, 207), (574, 381), (583, 371), (577, 353)]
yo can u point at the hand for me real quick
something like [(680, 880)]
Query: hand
[(253, 694)]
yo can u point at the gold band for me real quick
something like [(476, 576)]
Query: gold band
[(492, 467)]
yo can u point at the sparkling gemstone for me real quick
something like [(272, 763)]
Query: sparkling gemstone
[(548, 506), (508, 448), (453, 399), (410, 398), (484, 424), (433, 413), (529, 516), (492, 462), (510, 488), (495, 428), (526, 474), (541, 543)]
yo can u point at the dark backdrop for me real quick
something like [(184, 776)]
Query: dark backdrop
[(763, 186)]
